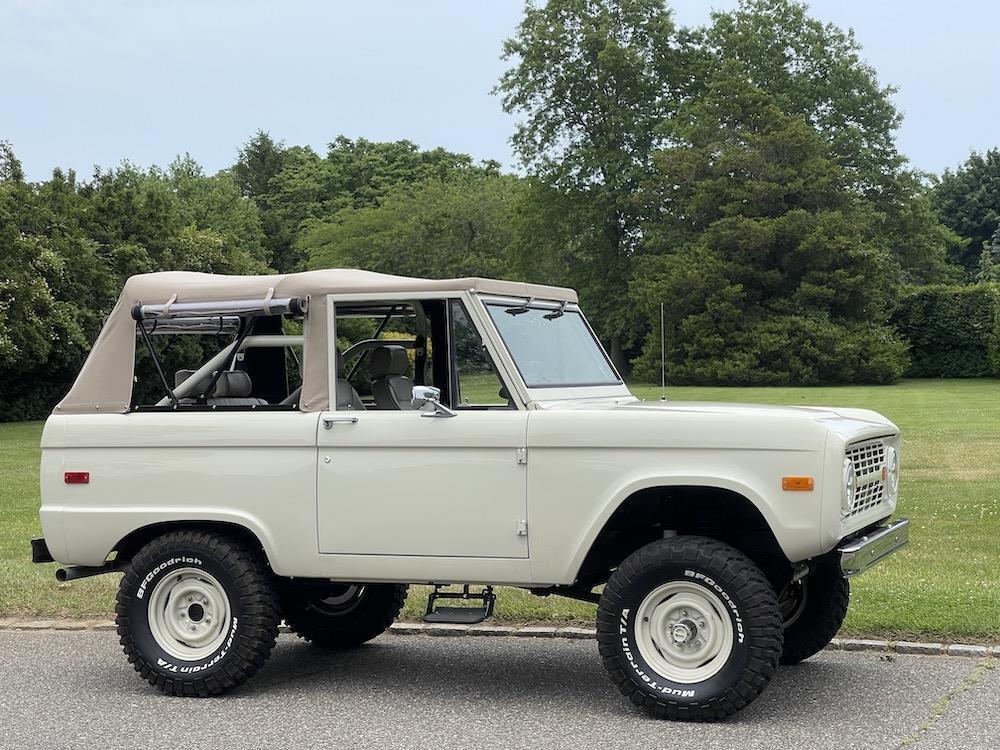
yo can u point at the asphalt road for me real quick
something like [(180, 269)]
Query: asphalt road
[(75, 690)]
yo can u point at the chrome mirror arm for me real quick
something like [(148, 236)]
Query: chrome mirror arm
[(428, 396)]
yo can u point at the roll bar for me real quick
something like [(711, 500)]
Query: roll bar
[(237, 307)]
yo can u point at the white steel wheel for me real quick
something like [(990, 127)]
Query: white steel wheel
[(189, 614), (684, 632)]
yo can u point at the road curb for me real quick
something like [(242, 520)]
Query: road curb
[(968, 650)]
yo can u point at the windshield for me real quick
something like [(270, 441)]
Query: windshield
[(552, 347)]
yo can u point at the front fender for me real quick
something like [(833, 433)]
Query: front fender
[(792, 541)]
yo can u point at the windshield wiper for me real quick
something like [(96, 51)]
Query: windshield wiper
[(557, 313), (519, 309)]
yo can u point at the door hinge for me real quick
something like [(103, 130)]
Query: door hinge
[(522, 455), (522, 527)]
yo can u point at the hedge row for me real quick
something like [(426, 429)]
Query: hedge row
[(953, 331)]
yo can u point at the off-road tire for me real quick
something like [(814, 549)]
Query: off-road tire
[(750, 603), (245, 580), (827, 596), (375, 609)]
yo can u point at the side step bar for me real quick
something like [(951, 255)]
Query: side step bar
[(460, 615)]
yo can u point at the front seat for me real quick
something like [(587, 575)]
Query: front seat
[(390, 386), (347, 397)]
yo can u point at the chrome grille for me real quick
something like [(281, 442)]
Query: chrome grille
[(869, 460)]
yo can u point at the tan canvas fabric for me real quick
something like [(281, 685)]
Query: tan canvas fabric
[(105, 381)]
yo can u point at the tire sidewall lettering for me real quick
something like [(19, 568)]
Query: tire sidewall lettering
[(172, 562)]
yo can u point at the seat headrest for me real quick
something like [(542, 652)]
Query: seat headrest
[(389, 360), (231, 384)]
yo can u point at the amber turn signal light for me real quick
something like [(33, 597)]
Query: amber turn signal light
[(798, 484)]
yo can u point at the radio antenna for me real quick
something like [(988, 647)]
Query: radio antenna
[(663, 358)]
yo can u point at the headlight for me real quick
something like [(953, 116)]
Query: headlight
[(892, 472), (849, 487)]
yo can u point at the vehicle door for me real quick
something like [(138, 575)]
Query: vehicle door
[(393, 480)]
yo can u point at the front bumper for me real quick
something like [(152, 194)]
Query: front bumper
[(859, 554)]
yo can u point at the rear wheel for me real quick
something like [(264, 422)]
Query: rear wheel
[(196, 613), (343, 615), (813, 609), (689, 629)]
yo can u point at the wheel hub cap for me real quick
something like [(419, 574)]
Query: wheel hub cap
[(684, 632), (189, 614)]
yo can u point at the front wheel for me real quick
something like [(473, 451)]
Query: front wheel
[(813, 609), (196, 613), (689, 628)]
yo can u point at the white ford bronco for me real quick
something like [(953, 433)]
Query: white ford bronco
[(301, 447)]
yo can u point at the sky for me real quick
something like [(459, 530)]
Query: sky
[(98, 82)]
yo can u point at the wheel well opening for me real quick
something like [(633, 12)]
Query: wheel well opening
[(714, 512), (136, 540)]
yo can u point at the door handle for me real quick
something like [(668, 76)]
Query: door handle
[(329, 422)]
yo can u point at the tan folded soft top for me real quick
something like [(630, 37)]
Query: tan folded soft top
[(105, 381)]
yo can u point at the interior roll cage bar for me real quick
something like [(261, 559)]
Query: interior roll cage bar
[(218, 317)]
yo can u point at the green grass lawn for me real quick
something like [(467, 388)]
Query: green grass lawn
[(945, 585)]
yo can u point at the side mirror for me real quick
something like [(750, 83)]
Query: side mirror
[(427, 400)]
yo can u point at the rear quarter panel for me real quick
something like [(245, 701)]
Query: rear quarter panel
[(254, 469)]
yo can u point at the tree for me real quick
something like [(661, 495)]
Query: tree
[(260, 159), (215, 203), (816, 71), (433, 228), (10, 165), (968, 201), (354, 174), (42, 312), (596, 83), (763, 266), (989, 262), (905, 223)]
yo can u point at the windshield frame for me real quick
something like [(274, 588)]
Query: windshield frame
[(567, 308)]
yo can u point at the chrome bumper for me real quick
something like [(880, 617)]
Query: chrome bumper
[(860, 554)]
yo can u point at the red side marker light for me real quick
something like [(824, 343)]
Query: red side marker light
[(77, 477)]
